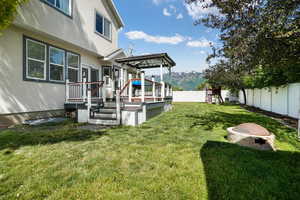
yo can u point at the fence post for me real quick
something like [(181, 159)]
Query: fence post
[(67, 90), (299, 116), (299, 128), (143, 85), (130, 88)]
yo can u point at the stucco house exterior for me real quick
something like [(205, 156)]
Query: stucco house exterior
[(53, 43)]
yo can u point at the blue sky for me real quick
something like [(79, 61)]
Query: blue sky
[(155, 26)]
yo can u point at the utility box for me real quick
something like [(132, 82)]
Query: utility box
[(82, 115)]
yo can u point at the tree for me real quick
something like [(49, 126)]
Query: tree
[(8, 10), (204, 85), (260, 42), (177, 88)]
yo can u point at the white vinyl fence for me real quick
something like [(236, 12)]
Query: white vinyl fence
[(283, 100), (197, 96)]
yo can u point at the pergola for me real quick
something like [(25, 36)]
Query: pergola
[(161, 60), (160, 90)]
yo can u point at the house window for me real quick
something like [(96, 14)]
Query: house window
[(107, 28), (73, 67), (62, 5), (56, 64), (35, 60), (106, 74), (103, 26), (46, 63)]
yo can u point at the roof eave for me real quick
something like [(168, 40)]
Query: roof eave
[(116, 13)]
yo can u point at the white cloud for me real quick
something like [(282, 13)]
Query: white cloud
[(140, 35), (172, 10), (198, 9), (166, 12), (199, 43), (179, 16), (202, 52), (157, 2)]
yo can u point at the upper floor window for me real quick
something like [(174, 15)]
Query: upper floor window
[(103, 26), (63, 5)]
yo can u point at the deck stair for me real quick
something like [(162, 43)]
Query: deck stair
[(106, 115)]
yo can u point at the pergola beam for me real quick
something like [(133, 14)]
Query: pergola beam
[(148, 61)]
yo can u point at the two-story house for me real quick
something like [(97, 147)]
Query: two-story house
[(49, 42), (53, 43)]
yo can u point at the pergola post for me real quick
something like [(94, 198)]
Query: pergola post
[(121, 78), (130, 88), (143, 85), (167, 90), (161, 73), (153, 88), (163, 90)]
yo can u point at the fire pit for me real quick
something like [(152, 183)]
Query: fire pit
[(252, 135)]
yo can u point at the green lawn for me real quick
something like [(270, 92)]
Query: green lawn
[(181, 154)]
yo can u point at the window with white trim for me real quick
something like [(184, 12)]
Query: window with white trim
[(35, 60), (73, 67), (64, 6), (103, 26), (56, 64)]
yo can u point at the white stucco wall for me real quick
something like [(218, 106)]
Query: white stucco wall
[(18, 96), (283, 100), (78, 30)]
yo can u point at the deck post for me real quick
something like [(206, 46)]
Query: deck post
[(118, 106), (153, 88), (162, 90), (130, 88), (84, 90), (143, 85), (167, 90), (67, 90), (89, 101)]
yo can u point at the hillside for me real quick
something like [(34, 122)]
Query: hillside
[(185, 80)]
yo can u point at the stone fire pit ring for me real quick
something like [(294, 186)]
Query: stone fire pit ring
[(251, 135)]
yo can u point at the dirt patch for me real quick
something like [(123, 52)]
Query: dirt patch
[(285, 120)]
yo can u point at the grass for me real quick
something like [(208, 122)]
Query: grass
[(181, 154)]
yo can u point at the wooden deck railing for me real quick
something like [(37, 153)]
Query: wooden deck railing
[(78, 91), (149, 90)]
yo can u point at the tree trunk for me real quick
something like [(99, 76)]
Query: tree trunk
[(220, 96), (245, 97)]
